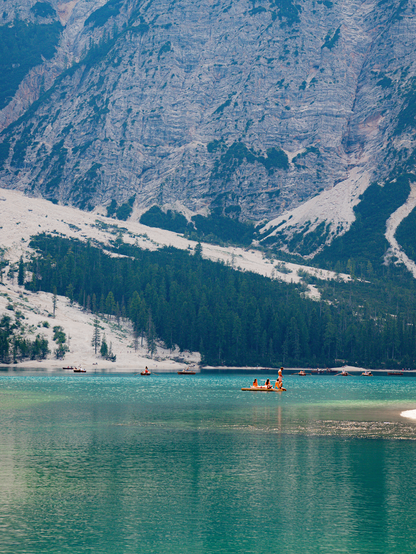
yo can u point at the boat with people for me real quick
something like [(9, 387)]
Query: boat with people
[(400, 373), (320, 371), (187, 371), (80, 370), (145, 371), (302, 373), (367, 373), (262, 389), (267, 387), (343, 373)]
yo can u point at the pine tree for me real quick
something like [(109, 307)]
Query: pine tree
[(21, 273), (110, 304), (104, 348), (198, 250), (150, 336), (54, 301), (70, 293), (96, 335)]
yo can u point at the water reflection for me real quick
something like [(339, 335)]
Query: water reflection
[(113, 464)]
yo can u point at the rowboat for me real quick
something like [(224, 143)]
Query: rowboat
[(187, 371), (79, 370), (261, 389), (145, 372), (395, 373)]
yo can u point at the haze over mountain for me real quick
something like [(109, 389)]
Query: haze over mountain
[(279, 111)]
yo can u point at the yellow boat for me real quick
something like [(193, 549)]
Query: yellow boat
[(262, 389)]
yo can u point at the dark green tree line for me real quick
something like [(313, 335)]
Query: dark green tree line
[(231, 317)]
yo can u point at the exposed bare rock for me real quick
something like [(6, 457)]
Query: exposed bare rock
[(250, 107)]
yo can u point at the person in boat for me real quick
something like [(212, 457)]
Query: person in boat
[(267, 384), (279, 385), (255, 383)]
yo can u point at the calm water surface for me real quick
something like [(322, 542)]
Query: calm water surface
[(179, 464)]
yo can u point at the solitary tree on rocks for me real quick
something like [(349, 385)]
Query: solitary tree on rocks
[(21, 273), (96, 335)]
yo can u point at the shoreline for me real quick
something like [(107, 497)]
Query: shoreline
[(171, 367)]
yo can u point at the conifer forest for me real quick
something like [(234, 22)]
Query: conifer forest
[(231, 317)]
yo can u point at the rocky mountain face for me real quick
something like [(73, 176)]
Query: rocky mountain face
[(259, 110)]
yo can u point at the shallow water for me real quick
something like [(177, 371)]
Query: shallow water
[(180, 464)]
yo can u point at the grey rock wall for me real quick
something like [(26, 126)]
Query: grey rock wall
[(153, 99)]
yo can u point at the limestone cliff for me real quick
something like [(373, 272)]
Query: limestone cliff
[(254, 108)]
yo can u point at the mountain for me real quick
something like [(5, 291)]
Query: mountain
[(284, 112)]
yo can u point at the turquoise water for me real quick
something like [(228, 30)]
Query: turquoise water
[(179, 464)]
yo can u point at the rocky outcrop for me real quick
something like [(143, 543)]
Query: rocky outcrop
[(249, 108)]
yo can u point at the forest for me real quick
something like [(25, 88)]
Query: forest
[(231, 317)]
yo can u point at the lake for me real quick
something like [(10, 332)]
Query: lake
[(191, 464)]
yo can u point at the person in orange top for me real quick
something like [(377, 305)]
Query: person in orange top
[(255, 383)]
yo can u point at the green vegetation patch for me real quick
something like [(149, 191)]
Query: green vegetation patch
[(43, 9), (258, 9), (220, 229), (167, 47), (233, 156), (20, 146), (170, 220), (216, 228), (331, 39), (222, 107), (385, 82), (4, 152), (54, 166), (23, 46), (407, 115), (85, 187), (215, 146), (122, 212), (305, 243), (302, 155), (287, 10), (103, 14)]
